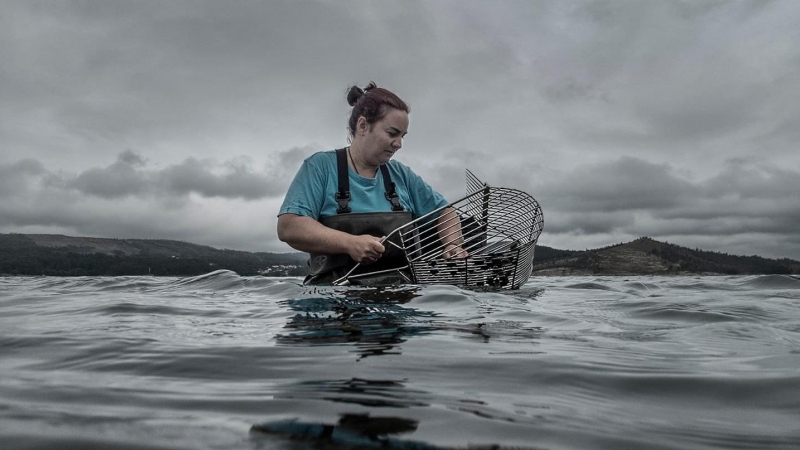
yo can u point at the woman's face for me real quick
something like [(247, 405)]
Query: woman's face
[(384, 137)]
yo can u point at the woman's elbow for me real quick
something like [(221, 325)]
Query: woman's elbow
[(284, 229)]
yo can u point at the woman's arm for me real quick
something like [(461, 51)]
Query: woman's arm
[(449, 228), (307, 235)]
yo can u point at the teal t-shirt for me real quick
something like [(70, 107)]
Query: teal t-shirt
[(313, 189)]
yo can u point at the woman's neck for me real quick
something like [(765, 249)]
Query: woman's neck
[(358, 163)]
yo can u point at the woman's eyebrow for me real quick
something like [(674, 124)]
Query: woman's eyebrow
[(397, 131)]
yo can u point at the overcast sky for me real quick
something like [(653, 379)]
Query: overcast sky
[(186, 120)]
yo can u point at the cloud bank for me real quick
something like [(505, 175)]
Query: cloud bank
[(746, 203)]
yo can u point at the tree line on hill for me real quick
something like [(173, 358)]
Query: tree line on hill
[(19, 255), (648, 256)]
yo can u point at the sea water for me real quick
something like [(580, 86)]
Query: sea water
[(227, 362)]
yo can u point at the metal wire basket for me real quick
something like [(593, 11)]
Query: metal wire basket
[(499, 227)]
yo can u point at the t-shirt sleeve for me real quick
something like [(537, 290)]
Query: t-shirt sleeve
[(424, 198), (307, 191)]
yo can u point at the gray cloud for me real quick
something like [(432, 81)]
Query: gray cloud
[(129, 176), (744, 199), (238, 180), (17, 176), (622, 185), (120, 179)]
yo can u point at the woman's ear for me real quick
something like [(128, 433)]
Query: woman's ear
[(361, 125)]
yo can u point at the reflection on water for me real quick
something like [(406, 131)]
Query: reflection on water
[(352, 430), (356, 431), (372, 393), (374, 319)]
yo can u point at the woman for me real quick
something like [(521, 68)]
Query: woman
[(342, 203)]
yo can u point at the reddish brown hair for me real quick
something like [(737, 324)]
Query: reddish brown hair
[(373, 103)]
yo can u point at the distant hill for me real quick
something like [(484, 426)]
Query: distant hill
[(646, 256), (48, 254)]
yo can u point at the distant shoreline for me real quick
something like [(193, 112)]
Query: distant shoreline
[(59, 255)]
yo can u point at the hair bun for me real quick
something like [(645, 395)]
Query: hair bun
[(354, 95)]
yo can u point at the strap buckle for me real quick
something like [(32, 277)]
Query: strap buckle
[(392, 196), (343, 198)]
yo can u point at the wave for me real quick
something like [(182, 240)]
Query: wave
[(773, 282)]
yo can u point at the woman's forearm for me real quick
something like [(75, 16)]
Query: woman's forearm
[(307, 235), (449, 228)]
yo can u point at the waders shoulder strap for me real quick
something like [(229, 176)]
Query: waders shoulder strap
[(391, 193), (343, 194)]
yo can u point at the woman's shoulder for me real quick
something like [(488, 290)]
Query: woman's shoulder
[(321, 161), (398, 166), (322, 156), (402, 170)]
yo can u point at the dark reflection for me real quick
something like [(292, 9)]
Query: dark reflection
[(351, 431), (371, 318), (372, 393), (374, 427), (501, 331), (356, 431)]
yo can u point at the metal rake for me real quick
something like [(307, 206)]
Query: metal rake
[(499, 226)]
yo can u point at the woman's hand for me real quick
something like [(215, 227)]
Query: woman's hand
[(454, 251), (365, 248), (449, 228), (307, 235)]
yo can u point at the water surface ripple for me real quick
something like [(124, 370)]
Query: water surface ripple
[(227, 362)]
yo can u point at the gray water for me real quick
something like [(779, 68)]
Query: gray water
[(227, 362)]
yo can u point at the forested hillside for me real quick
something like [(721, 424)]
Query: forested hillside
[(22, 254), (646, 256)]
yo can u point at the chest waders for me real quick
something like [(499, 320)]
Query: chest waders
[(324, 269)]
